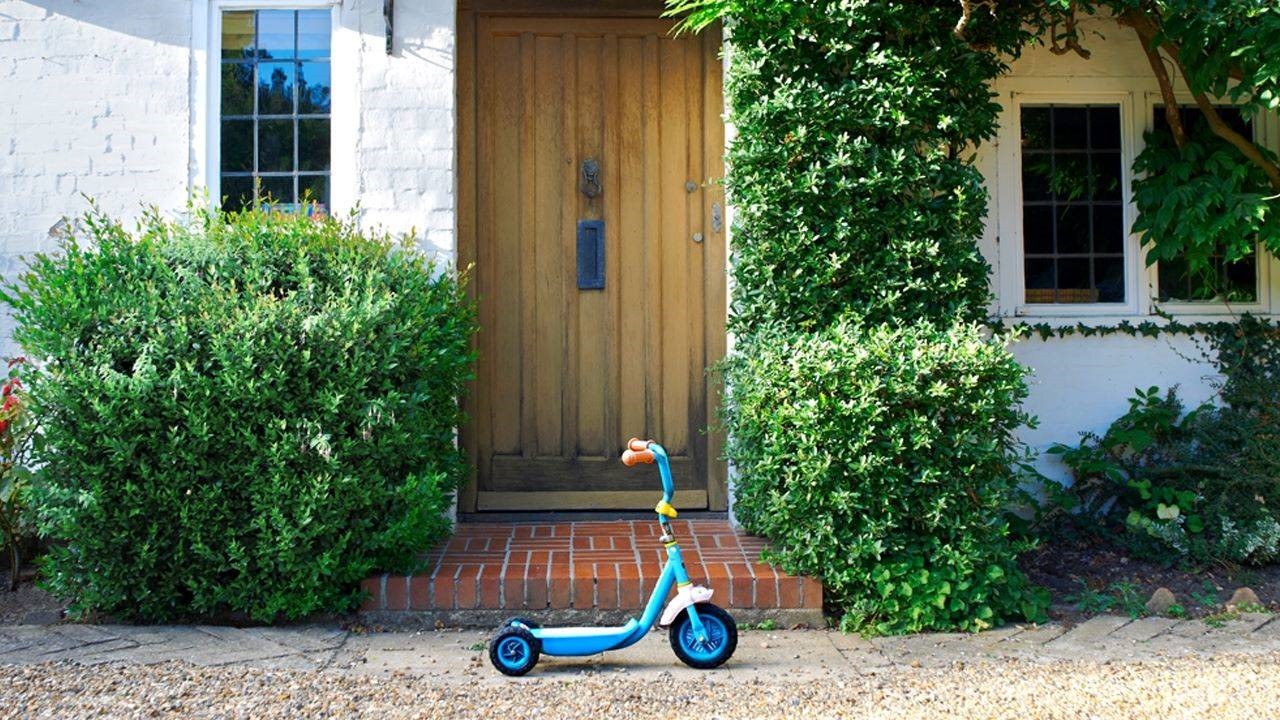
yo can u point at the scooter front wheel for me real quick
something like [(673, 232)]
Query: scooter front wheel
[(721, 640)]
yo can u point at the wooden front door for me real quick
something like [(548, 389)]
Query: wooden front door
[(591, 154)]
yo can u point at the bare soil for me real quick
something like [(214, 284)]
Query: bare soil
[(28, 605), (1073, 570)]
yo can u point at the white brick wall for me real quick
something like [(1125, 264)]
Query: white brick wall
[(94, 100)]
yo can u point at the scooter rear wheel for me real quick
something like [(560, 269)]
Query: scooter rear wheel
[(722, 637), (514, 651)]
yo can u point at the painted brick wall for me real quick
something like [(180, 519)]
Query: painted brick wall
[(94, 100)]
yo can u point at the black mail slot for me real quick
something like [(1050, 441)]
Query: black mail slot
[(590, 254)]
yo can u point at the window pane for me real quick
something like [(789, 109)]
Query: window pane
[(275, 88), (1108, 229), (314, 188), (272, 190), (1037, 229), (237, 146), (238, 192), (1108, 274), (275, 146), (237, 88), (1035, 128), (313, 34), (1070, 128), (1073, 221), (1107, 176), (313, 144), (275, 34), (313, 88), (237, 35), (1073, 229), (1104, 128)]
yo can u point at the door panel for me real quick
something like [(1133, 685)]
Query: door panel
[(565, 374)]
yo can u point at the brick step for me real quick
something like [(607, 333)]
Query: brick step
[(585, 566)]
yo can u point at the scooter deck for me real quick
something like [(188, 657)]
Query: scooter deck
[(584, 640)]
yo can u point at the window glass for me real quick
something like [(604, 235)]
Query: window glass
[(275, 108), (1072, 204), (1235, 282)]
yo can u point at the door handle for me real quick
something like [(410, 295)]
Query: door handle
[(590, 182)]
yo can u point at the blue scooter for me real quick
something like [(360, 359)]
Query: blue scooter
[(702, 635)]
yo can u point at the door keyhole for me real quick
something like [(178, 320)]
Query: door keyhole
[(590, 183)]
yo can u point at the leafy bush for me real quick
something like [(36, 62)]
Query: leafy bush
[(870, 424), (1174, 485), (243, 414), (878, 459)]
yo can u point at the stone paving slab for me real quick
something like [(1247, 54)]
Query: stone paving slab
[(458, 656)]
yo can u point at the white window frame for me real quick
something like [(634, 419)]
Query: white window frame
[(1012, 281), (206, 96), (1263, 133)]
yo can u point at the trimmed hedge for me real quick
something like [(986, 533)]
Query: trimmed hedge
[(877, 458), (243, 414)]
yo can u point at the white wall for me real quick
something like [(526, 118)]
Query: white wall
[(1084, 383), (110, 99), (94, 101)]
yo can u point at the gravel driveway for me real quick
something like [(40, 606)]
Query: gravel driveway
[(1223, 687)]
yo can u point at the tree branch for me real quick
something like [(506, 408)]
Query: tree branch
[(1242, 143), (1172, 111)]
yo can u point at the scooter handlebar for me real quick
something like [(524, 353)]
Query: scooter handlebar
[(638, 445), (633, 457)]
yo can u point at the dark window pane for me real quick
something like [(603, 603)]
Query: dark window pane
[(1073, 229), (1073, 274), (1104, 128), (313, 88), (275, 34), (1109, 277), (1036, 170), (238, 193), (1071, 180), (237, 89), (1070, 128), (1193, 119), (1037, 229), (1035, 128), (275, 88), (1174, 282), (314, 189), (237, 34), (1107, 176), (313, 144), (1040, 276), (1242, 279), (275, 146), (313, 33), (237, 146), (272, 190), (1108, 229)]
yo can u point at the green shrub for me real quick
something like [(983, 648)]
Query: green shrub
[(878, 460), (1171, 485), (243, 414)]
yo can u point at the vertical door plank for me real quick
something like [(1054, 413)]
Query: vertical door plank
[(592, 324), (471, 433), (611, 107), (570, 210), (716, 269), (500, 252), (632, 233), (549, 194), (649, 303), (673, 240), (694, 325), (527, 242)]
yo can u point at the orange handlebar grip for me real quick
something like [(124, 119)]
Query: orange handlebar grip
[(638, 445), (631, 457)]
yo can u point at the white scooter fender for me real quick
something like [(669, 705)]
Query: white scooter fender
[(685, 596)]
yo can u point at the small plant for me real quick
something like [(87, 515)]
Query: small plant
[(1176, 611), (1207, 596), (478, 646), (17, 435), (1092, 602), (1129, 598)]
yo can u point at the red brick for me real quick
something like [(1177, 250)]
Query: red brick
[(397, 592), (741, 586), (789, 592), (444, 587), (535, 587), (560, 587), (584, 585), (607, 587), (467, 588), (491, 587), (373, 587), (766, 586), (812, 592), (420, 592)]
